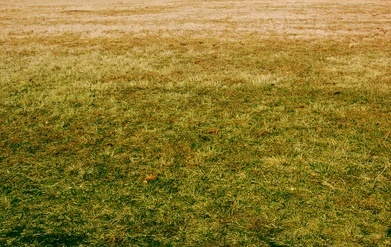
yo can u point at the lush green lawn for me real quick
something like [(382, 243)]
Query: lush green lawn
[(300, 155)]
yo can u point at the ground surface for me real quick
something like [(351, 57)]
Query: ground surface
[(195, 123)]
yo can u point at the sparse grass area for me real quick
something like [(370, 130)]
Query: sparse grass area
[(301, 103)]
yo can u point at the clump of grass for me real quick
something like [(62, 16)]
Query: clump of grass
[(299, 155)]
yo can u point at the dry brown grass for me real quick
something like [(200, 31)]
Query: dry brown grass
[(351, 20)]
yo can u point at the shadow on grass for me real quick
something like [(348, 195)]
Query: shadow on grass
[(273, 244), (42, 239)]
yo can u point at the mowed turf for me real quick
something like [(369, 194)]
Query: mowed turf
[(195, 123)]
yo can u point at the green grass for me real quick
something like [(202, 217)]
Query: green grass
[(302, 156)]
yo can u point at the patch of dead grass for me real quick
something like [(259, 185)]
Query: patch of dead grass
[(304, 19)]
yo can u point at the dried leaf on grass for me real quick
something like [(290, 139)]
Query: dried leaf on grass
[(151, 177), (213, 131)]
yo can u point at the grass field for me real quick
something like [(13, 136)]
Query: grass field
[(195, 123)]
